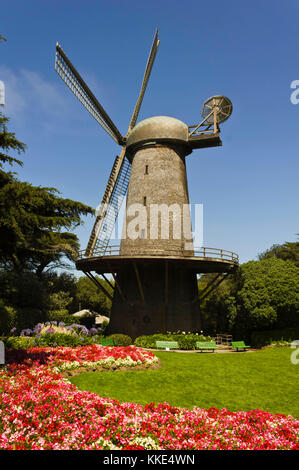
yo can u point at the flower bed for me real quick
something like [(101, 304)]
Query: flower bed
[(39, 409), (60, 359), (51, 334)]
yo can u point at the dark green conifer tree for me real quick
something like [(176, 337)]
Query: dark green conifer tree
[(35, 222)]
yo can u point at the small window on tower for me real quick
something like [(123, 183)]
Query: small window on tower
[(146, 170), (144, 201)]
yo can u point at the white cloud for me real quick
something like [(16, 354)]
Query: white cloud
[(14, 98), (27, 91), (44, 93), (47, 106), (31, 97)]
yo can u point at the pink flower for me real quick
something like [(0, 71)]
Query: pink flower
[(39, 409)]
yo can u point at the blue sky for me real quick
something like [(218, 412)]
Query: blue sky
[(248, 51)]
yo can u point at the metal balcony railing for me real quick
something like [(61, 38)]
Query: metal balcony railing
[(203, 253)]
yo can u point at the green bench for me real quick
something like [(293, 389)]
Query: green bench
[(107, 342), (206, 346), (167, 345), (239, 345)]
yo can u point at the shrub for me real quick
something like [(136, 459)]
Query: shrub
[(265, 338), (7, 318), (88, 321), (56, 339), (62, 339), (61, 327), (28, 317), (52, 334), (50, 340), (149, 341), (185, 341), (120, 339), (60, 316), (19, 342)]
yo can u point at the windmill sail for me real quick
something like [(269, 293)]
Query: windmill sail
[(146, 76), (113, 197), (76, 84)]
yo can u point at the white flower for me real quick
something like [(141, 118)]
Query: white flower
[(146, 442)]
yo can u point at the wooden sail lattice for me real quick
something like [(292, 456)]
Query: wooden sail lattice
[(109, 210), (78, 87)]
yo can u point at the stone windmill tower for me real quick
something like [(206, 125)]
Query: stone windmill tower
[(155, 267)]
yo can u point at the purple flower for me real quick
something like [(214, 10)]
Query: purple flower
[(93, 332), (84, 330), (37, 329), (26, 332), (50, 331)]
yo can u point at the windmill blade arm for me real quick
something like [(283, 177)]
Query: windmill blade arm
[(111, 203), (76, 84), (148, 69)]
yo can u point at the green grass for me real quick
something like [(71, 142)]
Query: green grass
[(265, 380)]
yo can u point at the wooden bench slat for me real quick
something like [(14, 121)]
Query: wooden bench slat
[(239, 345), (206, 345)]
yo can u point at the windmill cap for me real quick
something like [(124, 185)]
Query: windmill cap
[(158, 128)]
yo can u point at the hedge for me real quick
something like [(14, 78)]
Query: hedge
[(120, 339), (265, 338), (60, 339), (185, 341)]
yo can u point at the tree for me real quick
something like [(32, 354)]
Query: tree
[(35, 222), (36, 235), (35, 227), (89, 296), (262, 295), (8, 141), (268, 294), (25, 297), (216, 306), (288, 251)]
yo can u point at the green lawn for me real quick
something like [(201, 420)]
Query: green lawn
[(265, 380)]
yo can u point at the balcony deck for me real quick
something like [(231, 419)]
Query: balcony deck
[(200, 260)]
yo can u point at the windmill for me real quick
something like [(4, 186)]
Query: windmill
[(155, 276)]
